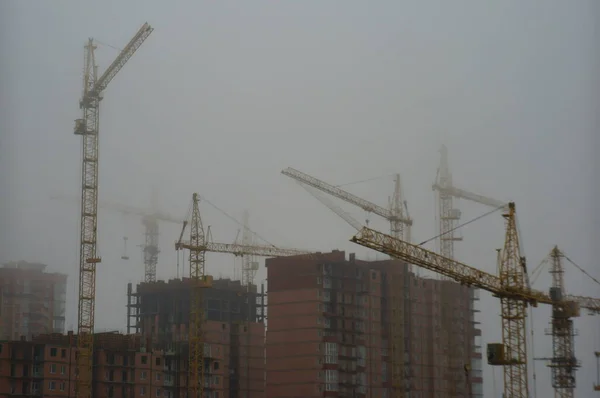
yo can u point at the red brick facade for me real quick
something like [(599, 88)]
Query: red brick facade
[(329, 329)]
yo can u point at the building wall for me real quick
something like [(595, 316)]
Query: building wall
[(33, 301), (330, 329)]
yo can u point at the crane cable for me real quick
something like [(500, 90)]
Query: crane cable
[(237, 222), (537, 271), (365, 180), (462, 225), (581, 269), (533, 352)]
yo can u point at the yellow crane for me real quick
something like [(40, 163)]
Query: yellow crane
[(198, 245), (400, 225), (88, 128), (563, 363), (510, 286), (199, 282)]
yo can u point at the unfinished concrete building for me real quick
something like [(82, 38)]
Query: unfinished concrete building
[(329, 330), (234, 332), (32, 301)]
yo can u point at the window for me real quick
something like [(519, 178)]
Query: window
[(331, 353), (157, 377), (62, 386), (52, 386), (158, 392), (318, 280), (331, 380), (143, 375), (52, 368), (144, 359), (53, 352), (157, 361), (216, 365), (63, 353), (142, 391), (362, 354), (62, 369)]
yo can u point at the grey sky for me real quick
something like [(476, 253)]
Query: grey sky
[(223, 96)]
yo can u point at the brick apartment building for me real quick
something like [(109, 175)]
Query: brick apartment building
[(32, 301), (329, 330), (235, 330), (124, 367)]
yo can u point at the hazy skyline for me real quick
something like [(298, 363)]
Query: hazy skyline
[(224, 96)]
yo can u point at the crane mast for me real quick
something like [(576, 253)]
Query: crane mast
[(150, 248), (249, 268), (448, 215), (563, 363), (88, 128), (514, 312), (249, 265), (199, 282)]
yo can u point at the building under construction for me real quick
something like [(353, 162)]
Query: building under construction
[(329, 330), (234, 332)]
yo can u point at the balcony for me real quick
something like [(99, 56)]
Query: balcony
[(169, 381)]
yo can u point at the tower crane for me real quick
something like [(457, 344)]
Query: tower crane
[(198, 245), (448, 218), (88, 128), (563, 363), (150, 221), (400, 307), (510, 286), (199, 282)]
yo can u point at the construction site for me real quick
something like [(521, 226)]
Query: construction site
[(323, 323)]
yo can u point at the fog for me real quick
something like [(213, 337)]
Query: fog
[(223, 96)]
